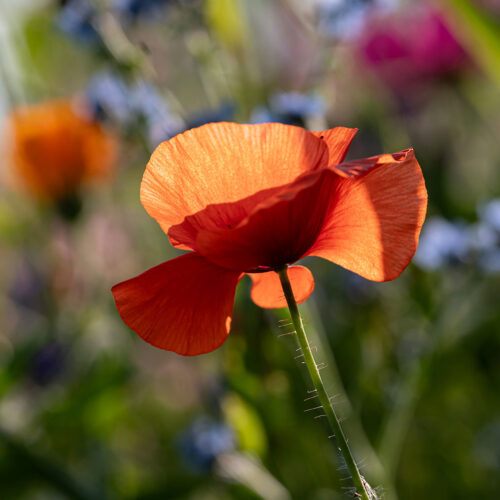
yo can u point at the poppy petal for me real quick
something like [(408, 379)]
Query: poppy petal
[(225, 215), (219, 164), (267, 292), (183, 305), (338, 140), (279, 230), (374, 221)]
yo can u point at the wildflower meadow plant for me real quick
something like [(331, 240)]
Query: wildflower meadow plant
[(129, 106), (254, 199), (327, 376), (403, 54), (289, 108), (55, 150)]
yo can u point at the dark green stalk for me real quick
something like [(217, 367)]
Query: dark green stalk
[(363, 489)]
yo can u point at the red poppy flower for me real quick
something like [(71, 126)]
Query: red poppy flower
[(248, 199), (54, 150)]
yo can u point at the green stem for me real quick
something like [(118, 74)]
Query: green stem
[(363, 490), (353, 427)]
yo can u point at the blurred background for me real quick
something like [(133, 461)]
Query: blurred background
[(88, 88)]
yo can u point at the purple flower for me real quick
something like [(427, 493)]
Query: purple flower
[(48, 363)]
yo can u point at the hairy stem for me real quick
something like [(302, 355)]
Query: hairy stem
[(363, 490), (353, 427)]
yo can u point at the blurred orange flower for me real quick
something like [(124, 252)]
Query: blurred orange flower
[(249, 199), (54, 150)]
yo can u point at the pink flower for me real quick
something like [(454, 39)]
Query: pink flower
[(411, 47)]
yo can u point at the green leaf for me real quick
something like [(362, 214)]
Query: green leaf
[(481, 35)]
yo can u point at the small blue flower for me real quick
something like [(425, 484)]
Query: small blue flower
[(147, 102), (290, 108), (225, 112), (340, 19), (203, 441), (489, 214), (150, 105), (295, 104), (442, 243), (483, 237), (76, 19), (132, 9), (108, 97), (345, 19), (489, 261), (261, 114), (486, 236)]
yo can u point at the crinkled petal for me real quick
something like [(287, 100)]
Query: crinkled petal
[(227, 215), (183, 305), (374, 220), (219, 164), (279, 231), (338, 140), (267, 292), (223, 215)]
